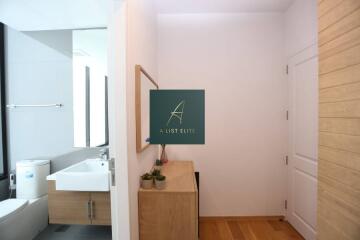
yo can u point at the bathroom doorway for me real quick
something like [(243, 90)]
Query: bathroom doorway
[(57, 103)]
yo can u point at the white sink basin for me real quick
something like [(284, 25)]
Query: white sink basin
[(89, 175)]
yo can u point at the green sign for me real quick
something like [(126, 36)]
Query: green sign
[(177, 116)]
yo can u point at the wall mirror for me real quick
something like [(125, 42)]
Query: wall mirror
[(56, 91), (143, 84), (90, 90)]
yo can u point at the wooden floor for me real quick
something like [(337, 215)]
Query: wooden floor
[(246, 229)]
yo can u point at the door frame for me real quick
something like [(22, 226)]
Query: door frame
[(119, 190), (302, 56)]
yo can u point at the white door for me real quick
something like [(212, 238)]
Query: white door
[(303, 147)]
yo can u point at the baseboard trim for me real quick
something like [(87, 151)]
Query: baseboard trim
[(242, 218)]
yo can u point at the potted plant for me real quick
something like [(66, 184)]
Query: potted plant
[(155, 173), (147, 181), (158, 164), (160, 182)]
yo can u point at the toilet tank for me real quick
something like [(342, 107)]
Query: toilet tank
[(31, 178)]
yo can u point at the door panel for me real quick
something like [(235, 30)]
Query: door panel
[(305, 198), (68, 207), (303, 152), (305, 108)]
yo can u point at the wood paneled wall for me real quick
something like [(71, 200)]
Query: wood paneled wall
[(339, 123)]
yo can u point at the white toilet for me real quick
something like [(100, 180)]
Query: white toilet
[(27, 215)]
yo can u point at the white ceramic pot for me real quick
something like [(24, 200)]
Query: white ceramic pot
[(160, 184), (147, 184)]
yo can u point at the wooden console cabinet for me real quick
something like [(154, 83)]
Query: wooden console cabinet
[(69, 207), (171, 213)]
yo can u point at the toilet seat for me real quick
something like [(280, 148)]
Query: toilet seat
[(9, 207)]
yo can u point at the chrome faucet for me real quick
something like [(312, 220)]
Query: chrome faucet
[(104, 154)]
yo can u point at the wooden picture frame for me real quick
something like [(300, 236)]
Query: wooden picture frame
[(141, 143)]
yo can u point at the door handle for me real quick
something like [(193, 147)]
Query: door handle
[(89, 208), (92, 209), (112, 171)]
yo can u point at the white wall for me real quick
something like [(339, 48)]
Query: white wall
[(300, 26), (141, 49), (39, 71), (239, 59)]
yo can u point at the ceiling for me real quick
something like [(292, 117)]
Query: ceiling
[(31, 15), (221, 6)]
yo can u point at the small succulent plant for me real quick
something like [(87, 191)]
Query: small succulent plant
[(155, 172), (160, 178), (147, 176)]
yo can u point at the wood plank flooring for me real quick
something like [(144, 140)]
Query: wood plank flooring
[(247, 229)]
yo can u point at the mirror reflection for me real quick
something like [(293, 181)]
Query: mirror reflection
[(56, 89), (90, 87)]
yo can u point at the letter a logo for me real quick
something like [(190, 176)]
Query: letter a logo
[(177, 113)]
